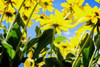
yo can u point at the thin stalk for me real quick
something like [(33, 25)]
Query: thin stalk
[(79, 42), (52, 40), (91, 33), (3, 15), (8, 25), (8, 21), (11, 62), (24, 46), (92, 57), (67, 15), (14, 20), (26, 25)]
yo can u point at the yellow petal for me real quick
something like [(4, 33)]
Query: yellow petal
[(58, 31), (30, 23), (96, 9), (81, 2), (50, 8), (57, 13), (70, 1), (65, 5), (30, 54), (63, 28), (45, 27), (28, 62), (0, 53), (97, 1), (94, 20)]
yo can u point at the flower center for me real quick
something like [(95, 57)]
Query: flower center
[(55, 25), (8, 14), (41, 17), (26, 7), (64, 46), (96, 14), (46, 3), (25, 17)]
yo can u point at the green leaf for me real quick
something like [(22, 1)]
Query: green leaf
[(60, 39), (44, 40), (4, 28), (88, 50), (45, 49), (38, 31), (20, 21), (53, 62), (97, 41), (98, 56), (9, 49), (78, 63), (83, 41), (30, 44), (70, 57), (57, 52), (39, 60), (14, 36)]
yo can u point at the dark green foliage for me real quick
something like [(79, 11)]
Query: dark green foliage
[(44, 40), (14, 36), (88, 50)]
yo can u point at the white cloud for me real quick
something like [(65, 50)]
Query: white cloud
[(67, 33)]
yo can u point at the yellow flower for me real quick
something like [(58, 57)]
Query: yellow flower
[(25, 19), (66, 47), (98, 61), (69, 7), (41, 64), (17, 3), (86, 28), (0, 54), (58, 22), (1, 27), (87, 13), (9, 13), (75, 39), (42, 18), (29, 63), (2, 5), (30, 54), (28, 7), (24, 37), (47, 5), (97, 1), (11, 2)]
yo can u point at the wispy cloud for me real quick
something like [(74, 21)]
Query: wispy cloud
[(67, 33)]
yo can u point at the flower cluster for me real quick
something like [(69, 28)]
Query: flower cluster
[(80, 50)]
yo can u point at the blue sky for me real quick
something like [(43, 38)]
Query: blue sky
[(56, 4)]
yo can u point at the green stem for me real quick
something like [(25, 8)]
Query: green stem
[(91, 34), (90, 63), (52, 40), (3, 15), (67, 15), (24, 46), (8, 21), (11, 62), (79, 43), (26, 25), (8, 25), (14, 20)]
